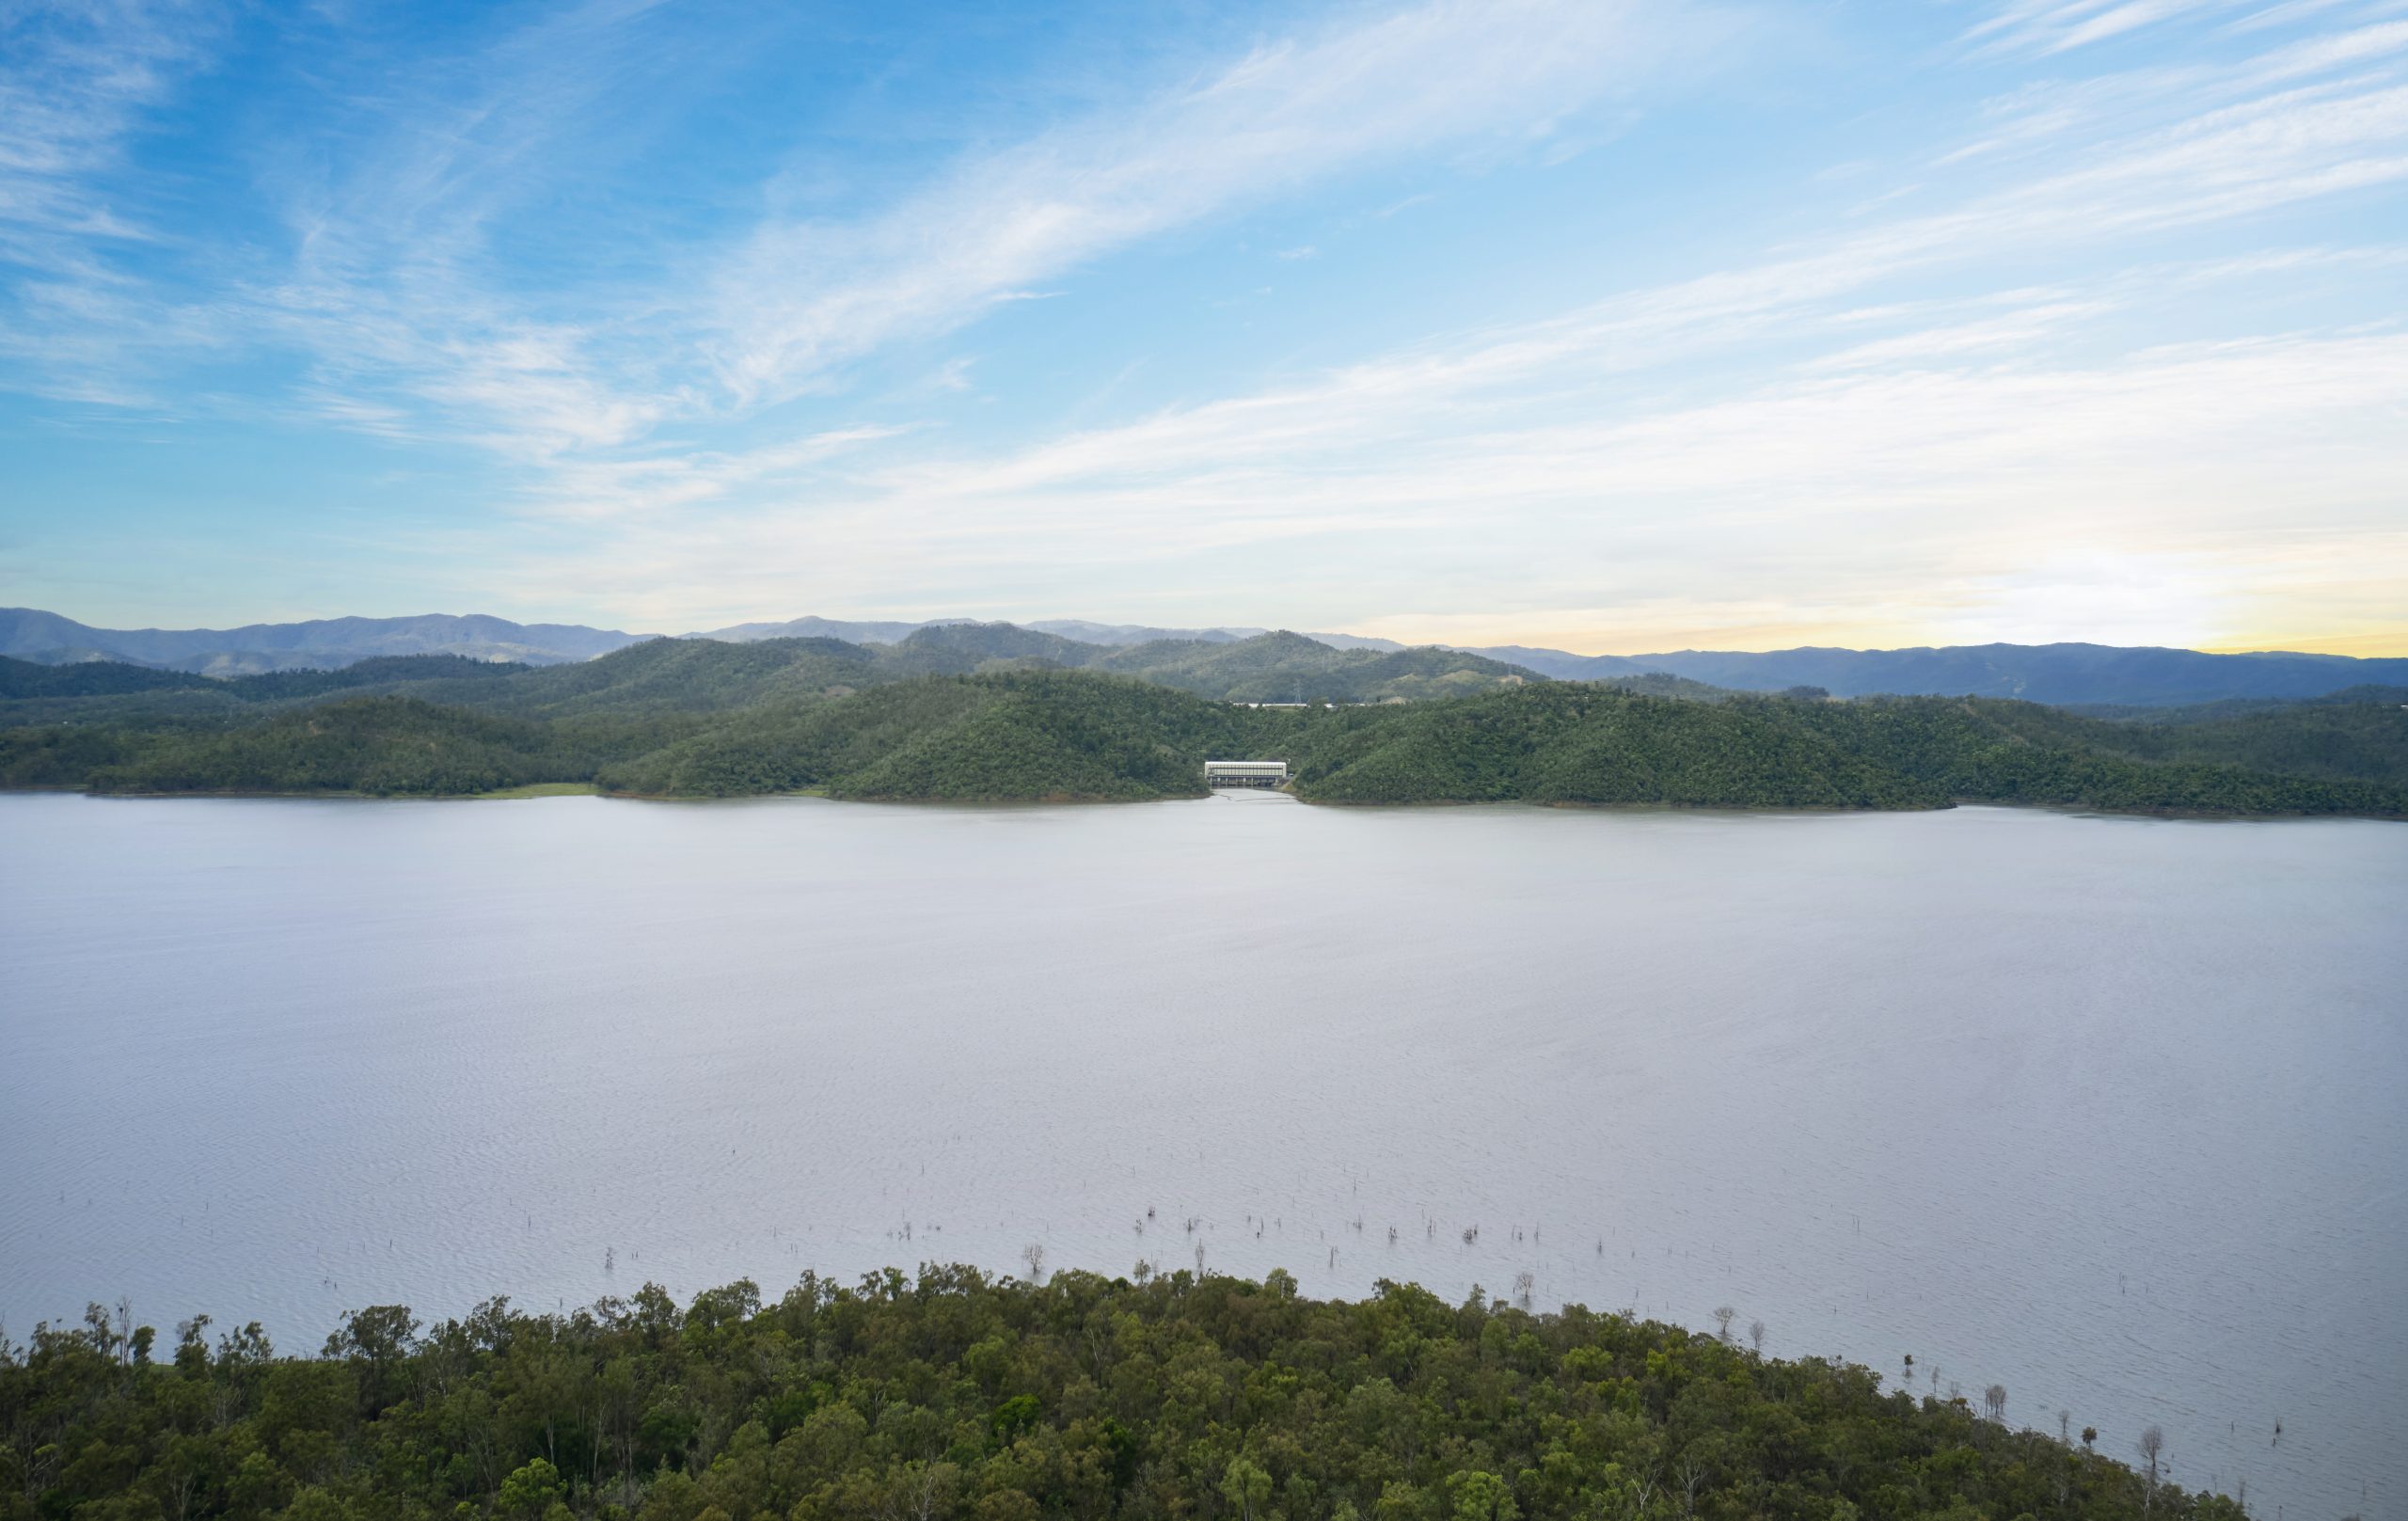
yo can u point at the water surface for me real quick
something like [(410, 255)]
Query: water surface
[(2108, 1111)]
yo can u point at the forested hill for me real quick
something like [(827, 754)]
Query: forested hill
[(638, 723), (696, 675), (953, 1395)]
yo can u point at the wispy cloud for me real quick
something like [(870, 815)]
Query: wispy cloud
[(76, 83), (801, 299), (1970, 381), (2049, 26), (1865, 504), (1929, 443), (73, 84), (396, 299)]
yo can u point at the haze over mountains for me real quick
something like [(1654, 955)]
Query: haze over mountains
[(2054, 674)]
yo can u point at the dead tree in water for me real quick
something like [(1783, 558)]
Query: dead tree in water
[(2152, 1446), (1722, 1319)]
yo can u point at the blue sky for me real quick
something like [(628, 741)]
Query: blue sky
[(1607, 326)]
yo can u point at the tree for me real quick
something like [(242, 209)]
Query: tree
[(2152, 1446), (1481, 1497), (1722, 1319), (375, 1340), (1245, 1486), (529, 1491)]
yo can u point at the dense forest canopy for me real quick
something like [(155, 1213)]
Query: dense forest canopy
[(984, 712), (956, 1395)]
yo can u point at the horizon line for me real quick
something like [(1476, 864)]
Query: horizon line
[(2308, 646)]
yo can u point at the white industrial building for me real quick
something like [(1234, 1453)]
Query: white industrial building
[(1248, 773)]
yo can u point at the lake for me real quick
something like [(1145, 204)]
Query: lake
[(2113, 1111)]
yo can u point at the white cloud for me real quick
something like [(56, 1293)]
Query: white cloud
[(75, 83), (2049, 26), (1881, 422), (802, 298), (394, 297), (1900, 500), (1922, 463)]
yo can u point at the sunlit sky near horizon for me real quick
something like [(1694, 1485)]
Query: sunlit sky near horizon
[(1598, 325)]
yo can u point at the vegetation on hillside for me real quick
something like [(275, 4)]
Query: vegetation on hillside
[(2359, 734), (699, 676), (690, 718), (2009, 752), (1005, 736), (1283, 667), (383, 745), (1567, 743), (955, 1394), (87, 678)]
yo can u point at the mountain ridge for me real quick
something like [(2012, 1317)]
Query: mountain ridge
[(2058, 673)]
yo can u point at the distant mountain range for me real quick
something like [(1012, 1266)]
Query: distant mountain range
[(322, 643), (2052, 674)]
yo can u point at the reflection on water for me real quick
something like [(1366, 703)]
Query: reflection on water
[(2107, 1111)]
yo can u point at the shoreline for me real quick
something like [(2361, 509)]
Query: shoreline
[(539, 790)]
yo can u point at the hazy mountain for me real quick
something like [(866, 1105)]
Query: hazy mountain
[(953, 649), (323, 642), (873, 632), (1284, 667), (852, 631), (2053, 673), (1087, 633), (1360, 642), (659, 677)]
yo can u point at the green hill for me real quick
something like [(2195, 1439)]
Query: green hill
[(2360, 733), (381, 672), (1285, 667), (958, 1396), (699, 676), (383, 745), (89, 679), (2000, 751), (1567, 743), (959, 649), (680, 718), (1020, 736)]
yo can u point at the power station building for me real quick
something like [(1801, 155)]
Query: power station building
[(1235, 773)]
